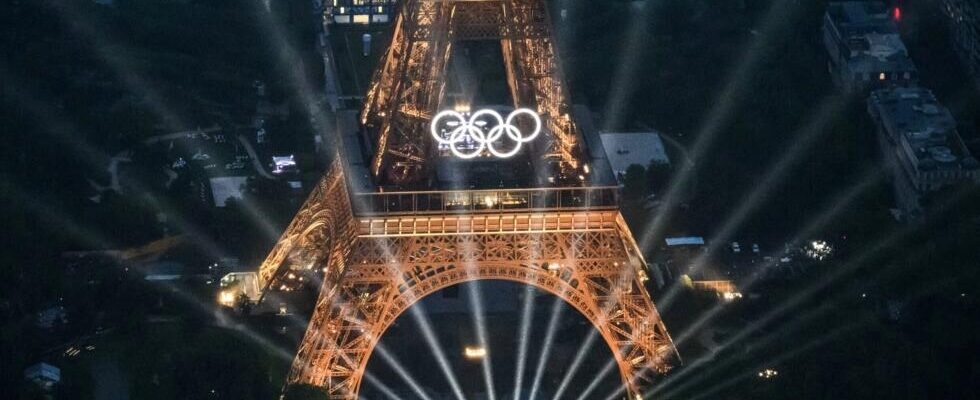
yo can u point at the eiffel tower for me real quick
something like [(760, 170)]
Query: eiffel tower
[(399, 215)]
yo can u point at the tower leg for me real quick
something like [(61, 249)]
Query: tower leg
[(321, 230), (592, 270)]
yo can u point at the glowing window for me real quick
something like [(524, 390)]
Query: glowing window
[(882, 76), (362, 19)]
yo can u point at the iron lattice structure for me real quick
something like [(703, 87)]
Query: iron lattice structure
[(376, 266), (319, 234), (587, 258), (408, 86)]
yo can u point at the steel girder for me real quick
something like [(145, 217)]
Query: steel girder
[(375, 268), (407, 87), (321, 231), (536, 77), (594, 270)]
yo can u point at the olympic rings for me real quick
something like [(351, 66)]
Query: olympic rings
[(471, 129)]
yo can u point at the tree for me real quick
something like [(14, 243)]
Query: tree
[(219, 364), (658, 176), (304, 392), (243, 304), (635, 183)]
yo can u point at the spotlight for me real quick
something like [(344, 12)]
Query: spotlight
[(227, 298), (475, 352), (525, 331), (768, 374), (556, 311), (818, 250)]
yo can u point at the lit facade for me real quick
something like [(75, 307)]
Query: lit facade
[(964, 22), (865, 49), (361, 12)]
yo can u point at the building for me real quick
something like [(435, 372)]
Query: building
[(363, 12), (685, 241), (43, 374), (51, 317), (683, 260), (920, 144), (284, 164), (162, 271), (640, 148), (964, 22), (725, 289), (224, 188), (235, 284), (865, 49)]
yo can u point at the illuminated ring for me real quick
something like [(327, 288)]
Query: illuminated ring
[(435, 123), (497, 132), (475, 133), (486, 141), (537, 124)]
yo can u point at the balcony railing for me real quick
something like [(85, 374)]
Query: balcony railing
[(476, 201)]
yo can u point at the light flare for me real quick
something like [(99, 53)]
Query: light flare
[(606, 369), (527, 311), (400, 370), (778, 17), (576, 363), (549, 336), (813, 130), (476, 300)]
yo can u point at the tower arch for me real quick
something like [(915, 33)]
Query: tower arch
[(451, 318), (592, 270)]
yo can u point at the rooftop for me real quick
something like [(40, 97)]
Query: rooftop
[(876, 53), (625, 149), (861, 17), (43, 372), (685, 241), (914, 116), (870, 37), (225, 188), (162, 270)]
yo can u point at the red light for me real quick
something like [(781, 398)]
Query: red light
[(897, 14)]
